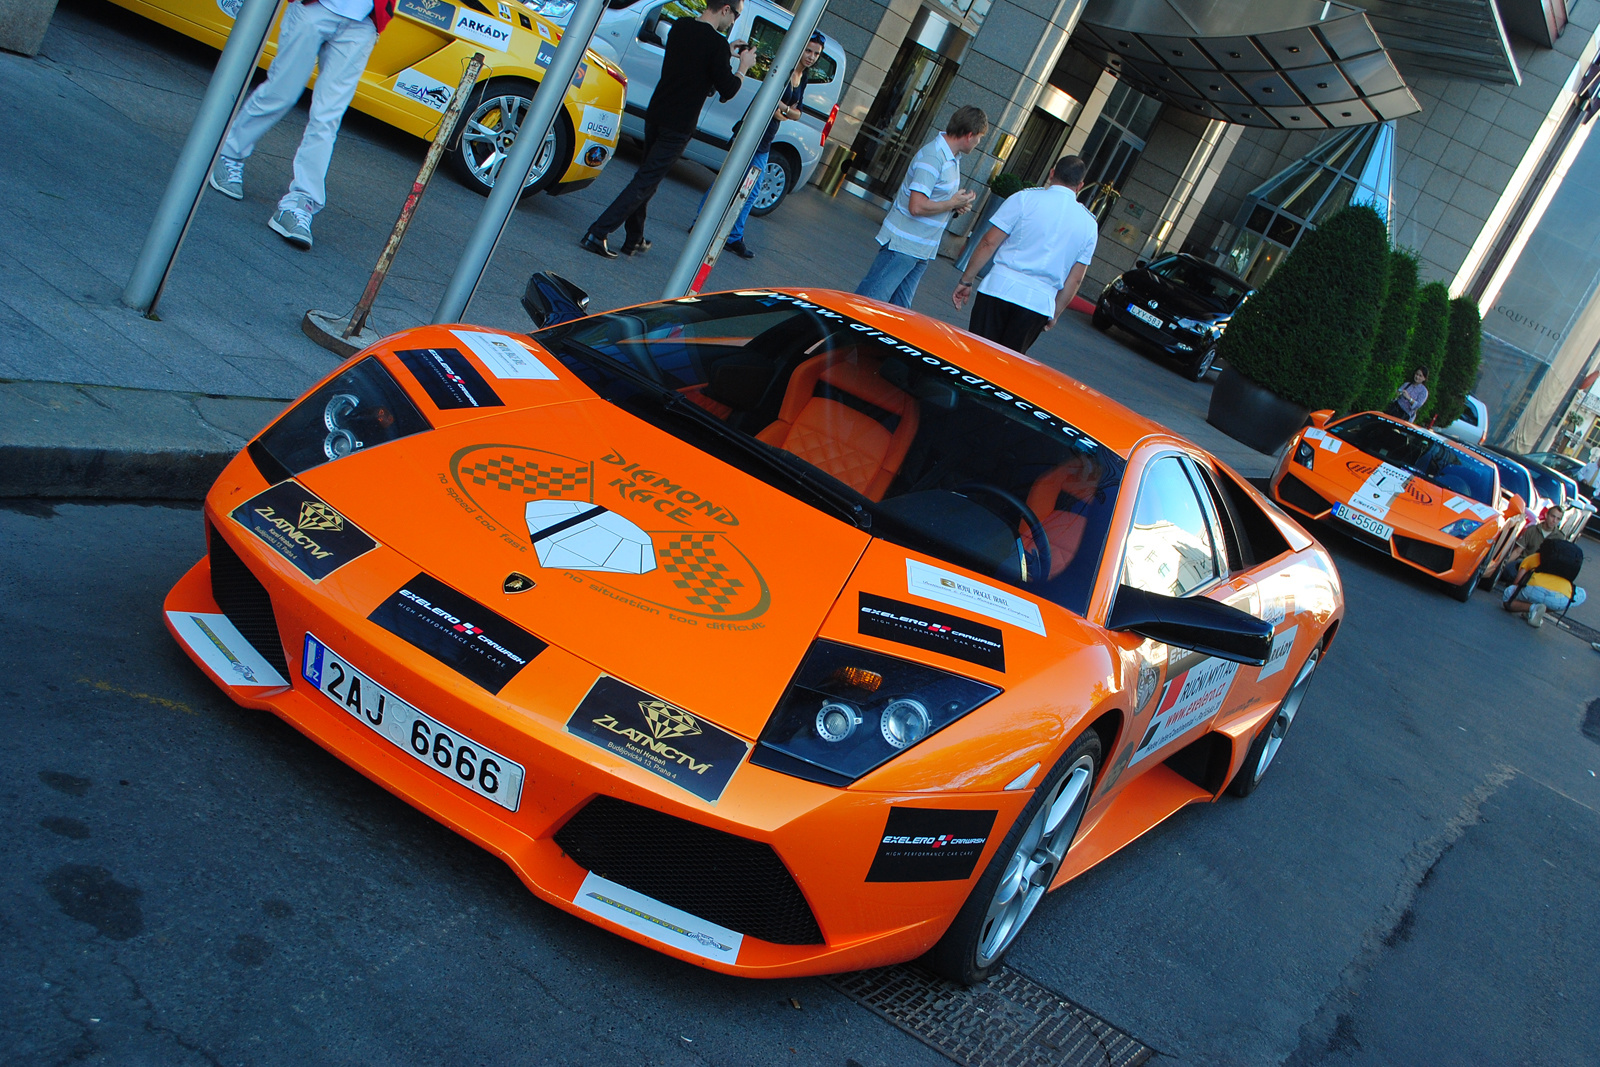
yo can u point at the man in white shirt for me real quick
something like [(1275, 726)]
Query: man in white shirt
[(1042, 241), (929, 196), (335, 37), (1589, 475)]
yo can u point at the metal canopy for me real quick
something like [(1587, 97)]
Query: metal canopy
[(1283, 64), (1460, 38)]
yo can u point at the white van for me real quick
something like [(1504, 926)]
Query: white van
[(633, 33)]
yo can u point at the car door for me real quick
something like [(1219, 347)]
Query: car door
[(1176, 547)]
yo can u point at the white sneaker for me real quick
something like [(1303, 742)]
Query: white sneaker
[(1536, 616), (227, 177), (294, 224)]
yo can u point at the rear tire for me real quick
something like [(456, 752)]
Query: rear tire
[(782, 171), (1264, 746), (1021, 871), (483, 140)]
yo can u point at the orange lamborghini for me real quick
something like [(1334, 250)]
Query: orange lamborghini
[(785, 632), (1405, 491)]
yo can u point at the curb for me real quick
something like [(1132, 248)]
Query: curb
[(108, 473)]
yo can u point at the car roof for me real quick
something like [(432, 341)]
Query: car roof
[(1117, 427)]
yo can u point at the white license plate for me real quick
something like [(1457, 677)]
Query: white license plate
[(448, 752), (1365, 522), (1144, 316)]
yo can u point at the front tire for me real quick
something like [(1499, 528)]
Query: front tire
[(1021, 871), (782, 171), (1197, 369), (1101, 319), (489, 125), (1264, 747), (1464, 591)]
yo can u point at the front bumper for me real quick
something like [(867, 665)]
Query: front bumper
[(824, 838), (1169, 336)]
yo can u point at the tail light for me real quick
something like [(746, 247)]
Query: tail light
[(827, 127)]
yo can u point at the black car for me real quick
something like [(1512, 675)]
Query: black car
[(1179, 303)]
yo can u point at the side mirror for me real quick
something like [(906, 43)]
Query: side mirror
[(1319, 419), (551, 299), (1140, 264), (1518, 506), (1196, 623)]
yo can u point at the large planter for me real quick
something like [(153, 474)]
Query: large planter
[(1252, 415)]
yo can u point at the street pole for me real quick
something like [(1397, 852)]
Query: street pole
[(698, 255), (240, 56), (517, 166)]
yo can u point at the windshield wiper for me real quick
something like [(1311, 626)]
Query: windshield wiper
[(773, 459)]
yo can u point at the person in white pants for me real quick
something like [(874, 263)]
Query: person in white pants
[(335, 37)]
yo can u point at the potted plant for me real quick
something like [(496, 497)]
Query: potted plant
[(1000, 187), (1303, 341)]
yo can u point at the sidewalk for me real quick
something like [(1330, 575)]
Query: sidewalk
[(93, 127)]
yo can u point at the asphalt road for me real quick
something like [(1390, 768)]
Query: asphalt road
[(188, 882)]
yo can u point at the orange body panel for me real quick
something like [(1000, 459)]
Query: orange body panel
[(449, 503)]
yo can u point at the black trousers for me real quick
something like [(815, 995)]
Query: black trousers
[(661, 150), (1005, 323)]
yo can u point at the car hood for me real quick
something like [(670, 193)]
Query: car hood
[(1173, 299), (656, 562), (1422, 506)]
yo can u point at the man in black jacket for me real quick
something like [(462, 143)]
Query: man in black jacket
[(695, 65)]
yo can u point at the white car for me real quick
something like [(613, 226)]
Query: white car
[(1473, 425), (634, 36)]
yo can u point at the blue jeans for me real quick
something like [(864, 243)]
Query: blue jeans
[(893, 277), (758, 161), (1551, 599)]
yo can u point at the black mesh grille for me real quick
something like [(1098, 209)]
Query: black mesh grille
[(244, 601), (1435, 558), (728, 880), (1298, 494)]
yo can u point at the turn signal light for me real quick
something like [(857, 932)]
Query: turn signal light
[(857, 678)]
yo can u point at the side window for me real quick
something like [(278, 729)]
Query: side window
[(766, 37), (657, 23), (1169, 550), (1221, 519)]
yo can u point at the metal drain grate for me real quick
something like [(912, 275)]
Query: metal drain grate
[(1009, 1021), (1586, 633)]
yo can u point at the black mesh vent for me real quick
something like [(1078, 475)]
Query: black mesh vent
[(1435, 558), (243, 599), (1298, 494), (728, 880)]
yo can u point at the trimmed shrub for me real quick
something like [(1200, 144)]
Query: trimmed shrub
[(1006, 184), (1463, 352), (1394, 334), (1428, 334), (1307, 333)]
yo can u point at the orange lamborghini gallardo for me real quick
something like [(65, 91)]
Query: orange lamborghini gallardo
[(1410, 493), (785, 632)]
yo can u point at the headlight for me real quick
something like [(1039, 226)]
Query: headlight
[(1201, 326), (1303, 453), (849, 710), (554, 10), (1462, 527), (1116, 284), (362, 407)]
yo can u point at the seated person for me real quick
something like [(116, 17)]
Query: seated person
[(1529, 540), (1550, 583)]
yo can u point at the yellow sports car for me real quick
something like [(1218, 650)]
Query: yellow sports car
[(418, 63)]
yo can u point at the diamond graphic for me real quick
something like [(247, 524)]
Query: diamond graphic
[(667, 721), (587, 537), (315, 515)]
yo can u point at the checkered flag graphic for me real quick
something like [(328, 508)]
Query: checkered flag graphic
[(508, 473), (691, 562)]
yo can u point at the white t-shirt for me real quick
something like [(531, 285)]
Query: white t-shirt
[(1047, 231), (350, 9)]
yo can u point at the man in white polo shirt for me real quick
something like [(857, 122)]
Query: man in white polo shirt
[(929, 196), (1042, 242), (335, 37)]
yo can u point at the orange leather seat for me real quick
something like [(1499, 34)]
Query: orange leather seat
[(861, 448), (1077, 479)]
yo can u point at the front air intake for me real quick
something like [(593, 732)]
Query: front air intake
[(1300, 496), (243, 599)]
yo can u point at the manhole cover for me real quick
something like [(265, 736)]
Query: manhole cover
[(1010, 1020)]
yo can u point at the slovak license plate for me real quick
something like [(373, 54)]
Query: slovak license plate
[(449, 752), (1365, 522), (1144, 316)]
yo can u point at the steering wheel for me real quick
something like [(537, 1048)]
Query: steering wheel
[(1041, 543)]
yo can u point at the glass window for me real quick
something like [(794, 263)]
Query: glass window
[(766, 37), (1424, 455), (1210, 285), (1169, 549), (862, 425)]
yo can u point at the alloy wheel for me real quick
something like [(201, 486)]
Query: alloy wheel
[(1285, 716), (774, 180), (491, 130)]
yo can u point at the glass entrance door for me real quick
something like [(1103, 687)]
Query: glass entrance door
[(898, 124)]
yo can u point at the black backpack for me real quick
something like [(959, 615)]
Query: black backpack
[(1560, 558)]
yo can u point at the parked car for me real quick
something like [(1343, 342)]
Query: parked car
[(417, 66), (1411, 494), (783, 632), (1514, 478), (1580, 509), (1473, 425), (1179, 303), (635, 35)]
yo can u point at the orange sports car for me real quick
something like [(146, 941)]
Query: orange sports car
[(785, 632), (1408, 492)]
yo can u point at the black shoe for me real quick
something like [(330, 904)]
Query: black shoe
[(635, 248), (590, 243), (738, 249)]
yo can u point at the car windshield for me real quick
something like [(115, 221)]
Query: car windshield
[(1556, 462), (859, 423), (1199, 279), (1550, 486), (1427, 457), (1513, 477)]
